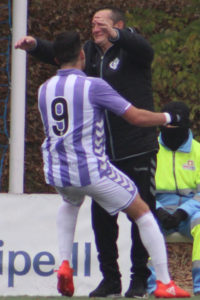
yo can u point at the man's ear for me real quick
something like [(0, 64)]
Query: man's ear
[(56, 61), (119, 24), (82, 54)]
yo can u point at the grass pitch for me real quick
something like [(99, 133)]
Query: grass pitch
[(82, 298)]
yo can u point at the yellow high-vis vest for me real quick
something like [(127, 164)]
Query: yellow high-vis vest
[(178, 172)]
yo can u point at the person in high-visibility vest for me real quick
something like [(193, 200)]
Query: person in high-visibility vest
[(178, 187)]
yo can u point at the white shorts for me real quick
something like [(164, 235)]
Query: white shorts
[(114, 192)]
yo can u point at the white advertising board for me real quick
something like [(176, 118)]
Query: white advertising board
[(29, 252)]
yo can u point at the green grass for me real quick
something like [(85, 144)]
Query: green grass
[(81, 298)]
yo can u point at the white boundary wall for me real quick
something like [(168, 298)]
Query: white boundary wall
[(29, 252), (28, 228)]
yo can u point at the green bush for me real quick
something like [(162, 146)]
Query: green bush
[(176, 65)]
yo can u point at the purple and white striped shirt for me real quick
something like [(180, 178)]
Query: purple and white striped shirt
[(72, 109)]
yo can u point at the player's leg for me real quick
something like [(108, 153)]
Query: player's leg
[(185, 229), (66, 224), (106, 245), (117, 192), (66, 229), (150, 235), (153, 241)]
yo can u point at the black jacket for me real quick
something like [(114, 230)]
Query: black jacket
[(126, 66)]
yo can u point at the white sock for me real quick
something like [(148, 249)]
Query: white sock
[(154, 243), (66, 224)]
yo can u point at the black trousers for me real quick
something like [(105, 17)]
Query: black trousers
[(141, 170)]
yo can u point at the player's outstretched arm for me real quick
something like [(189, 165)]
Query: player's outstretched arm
[(145, 118), (26, 43)]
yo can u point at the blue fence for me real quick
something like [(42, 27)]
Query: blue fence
[(5, 45)]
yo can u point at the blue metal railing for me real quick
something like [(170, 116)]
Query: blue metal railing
[(5, 42)]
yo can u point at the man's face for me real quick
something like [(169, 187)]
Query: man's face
[(101, 37)]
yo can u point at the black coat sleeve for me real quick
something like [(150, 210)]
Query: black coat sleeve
[(137, 47), (44, 51)]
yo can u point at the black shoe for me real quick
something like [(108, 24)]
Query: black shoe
[(107, 288), (137, 288)]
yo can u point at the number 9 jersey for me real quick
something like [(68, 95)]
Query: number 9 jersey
[(72, 108)]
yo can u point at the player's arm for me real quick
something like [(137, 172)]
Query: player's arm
[(41, 49), (145, 118), (103, 95)]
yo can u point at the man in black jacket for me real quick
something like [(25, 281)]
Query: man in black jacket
[(123, 58)]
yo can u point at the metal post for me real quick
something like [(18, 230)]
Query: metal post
[(18, 91)]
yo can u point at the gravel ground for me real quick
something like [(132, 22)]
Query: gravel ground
[(180, 264)]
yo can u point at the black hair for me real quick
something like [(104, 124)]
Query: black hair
[(116, 14), (67, 46)]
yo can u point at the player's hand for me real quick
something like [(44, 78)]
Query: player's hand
[(26, 43), (176, 119), (106, 27)]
